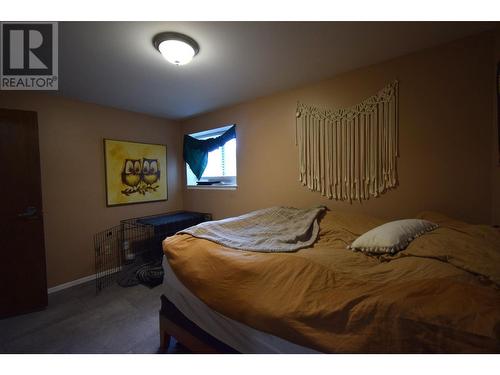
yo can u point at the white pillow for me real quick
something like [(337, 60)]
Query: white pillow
[(392, 237)]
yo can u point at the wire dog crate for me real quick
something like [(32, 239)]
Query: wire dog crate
[(131, 253)]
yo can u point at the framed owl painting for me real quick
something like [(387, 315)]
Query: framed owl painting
[(135, 172)]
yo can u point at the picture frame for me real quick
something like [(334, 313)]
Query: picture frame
[(135, 172)]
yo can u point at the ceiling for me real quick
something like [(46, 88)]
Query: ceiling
[(115, 63)]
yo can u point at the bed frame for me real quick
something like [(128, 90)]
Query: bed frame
[(173, 323)]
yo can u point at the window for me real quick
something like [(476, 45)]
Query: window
[(221, 166)]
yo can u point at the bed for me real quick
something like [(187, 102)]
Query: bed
[(439, 295)]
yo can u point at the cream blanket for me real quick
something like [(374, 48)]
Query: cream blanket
[(275, 229)]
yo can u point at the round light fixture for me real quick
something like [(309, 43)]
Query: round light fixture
[(176, 48)]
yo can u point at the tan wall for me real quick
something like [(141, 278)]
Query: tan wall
[(72, 164), (495, 173), (445, 137)]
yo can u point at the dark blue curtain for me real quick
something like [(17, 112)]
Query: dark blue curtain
[(196, 150)]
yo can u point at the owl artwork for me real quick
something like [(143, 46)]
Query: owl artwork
[(150, 171), (135, 172), (131, 175), (140, 176)]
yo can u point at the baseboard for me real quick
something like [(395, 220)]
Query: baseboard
[(69, 284), (82, 280)]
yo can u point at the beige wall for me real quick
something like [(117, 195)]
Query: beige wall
[(445, 137), (72, 163)]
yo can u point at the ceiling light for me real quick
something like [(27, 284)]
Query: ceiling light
[(176, 48)]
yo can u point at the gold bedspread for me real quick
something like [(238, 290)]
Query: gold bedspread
[(441, 294)]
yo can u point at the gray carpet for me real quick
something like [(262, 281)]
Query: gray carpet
[(118, 320)]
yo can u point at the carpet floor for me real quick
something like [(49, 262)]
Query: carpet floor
[(116, 321)]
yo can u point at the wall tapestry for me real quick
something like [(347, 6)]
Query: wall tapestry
[(135, 172), (350, 154)]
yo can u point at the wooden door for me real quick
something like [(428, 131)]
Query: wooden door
[(23, 283)]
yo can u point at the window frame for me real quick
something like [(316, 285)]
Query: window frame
[(227, 182)]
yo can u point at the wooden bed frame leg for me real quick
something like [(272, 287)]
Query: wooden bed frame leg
[(174, 324), (164, 342), (164, 336)]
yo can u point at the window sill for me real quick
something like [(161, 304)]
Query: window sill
[(212, 187)]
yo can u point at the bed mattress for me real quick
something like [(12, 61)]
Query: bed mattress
[(440, 295), (237, 335)]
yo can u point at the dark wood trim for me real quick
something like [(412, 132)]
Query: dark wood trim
[(173, 323), (498, 109)]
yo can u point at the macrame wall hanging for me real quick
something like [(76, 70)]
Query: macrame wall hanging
[(350, 154)]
